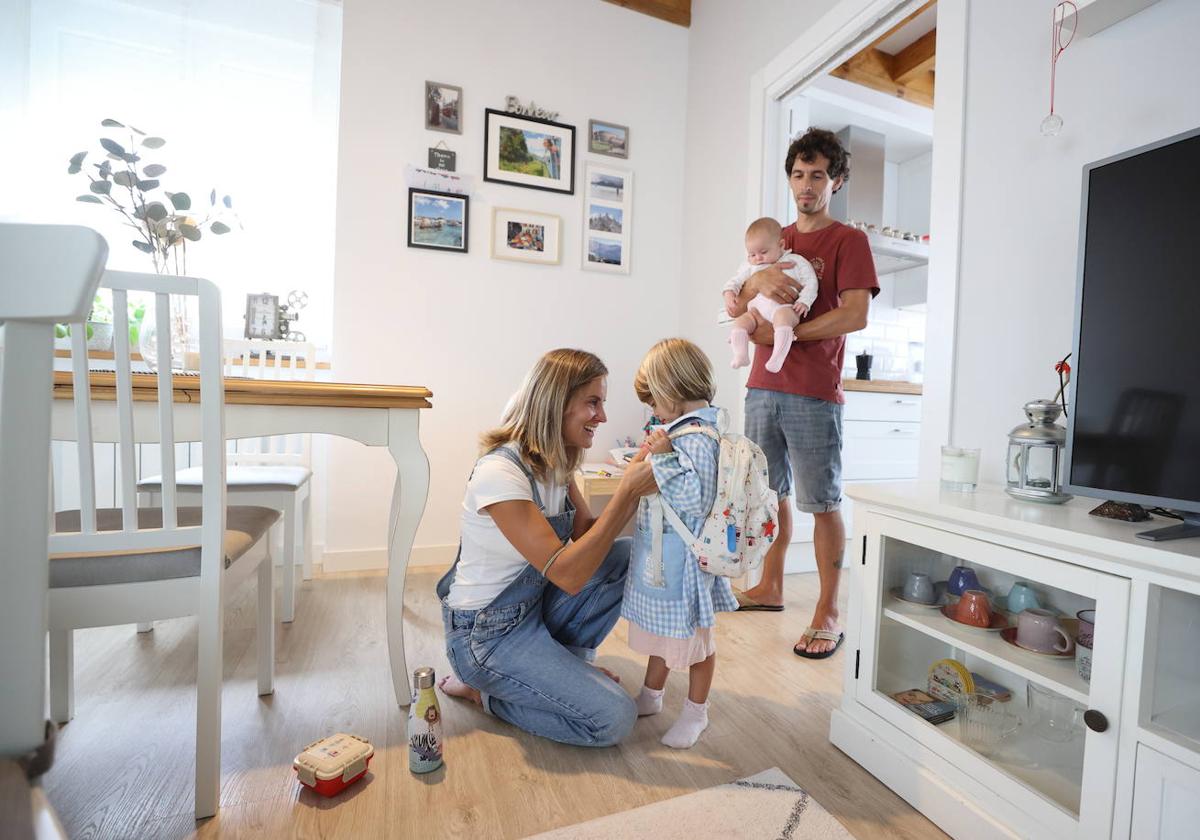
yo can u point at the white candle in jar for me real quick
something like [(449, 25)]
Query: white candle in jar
[(960, 468)]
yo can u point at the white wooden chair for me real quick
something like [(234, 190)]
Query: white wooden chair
[(132, 564), (48, 275), (274, 472)]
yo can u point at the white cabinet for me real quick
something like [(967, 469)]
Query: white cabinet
[(1137, 718)]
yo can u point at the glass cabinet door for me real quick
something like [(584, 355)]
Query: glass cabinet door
[(993, 635)]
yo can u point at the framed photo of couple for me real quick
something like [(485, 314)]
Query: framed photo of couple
[(607, 219), (527, 152)]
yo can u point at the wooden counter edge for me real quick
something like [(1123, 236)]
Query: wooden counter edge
[(882, 386)]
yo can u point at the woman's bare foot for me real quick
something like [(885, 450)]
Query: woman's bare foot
[(452, 686), (610, 675)]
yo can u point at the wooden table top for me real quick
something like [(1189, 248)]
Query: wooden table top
[(240, 391)]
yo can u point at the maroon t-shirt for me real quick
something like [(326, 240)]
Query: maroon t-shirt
[(842, 260)]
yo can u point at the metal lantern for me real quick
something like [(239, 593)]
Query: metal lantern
[(1035, 455)]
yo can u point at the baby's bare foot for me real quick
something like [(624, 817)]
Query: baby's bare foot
[(454, 687)]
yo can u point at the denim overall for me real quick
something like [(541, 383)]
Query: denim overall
[(529, 651)]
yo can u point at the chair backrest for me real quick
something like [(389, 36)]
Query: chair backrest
[(260, 359), (48, 274), (144, 411)]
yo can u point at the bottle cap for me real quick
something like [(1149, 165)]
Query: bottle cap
[(423, 678)]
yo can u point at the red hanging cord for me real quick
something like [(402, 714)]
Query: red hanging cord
[(1052, 124)]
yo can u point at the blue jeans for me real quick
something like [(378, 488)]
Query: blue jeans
[(802, 438), (528, 654)]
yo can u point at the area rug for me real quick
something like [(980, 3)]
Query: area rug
[(767, 805)]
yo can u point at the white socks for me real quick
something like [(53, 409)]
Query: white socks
[(649, 702), (739, 340), (686, 730)]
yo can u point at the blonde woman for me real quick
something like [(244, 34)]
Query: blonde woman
[(670, 602), (538, 580)]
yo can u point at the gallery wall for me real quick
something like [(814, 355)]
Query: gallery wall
[(465, 325)]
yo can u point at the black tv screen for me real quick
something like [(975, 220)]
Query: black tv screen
[(1135, 413)]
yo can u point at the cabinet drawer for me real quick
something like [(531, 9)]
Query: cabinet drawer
[(864, 405), (874, 450)]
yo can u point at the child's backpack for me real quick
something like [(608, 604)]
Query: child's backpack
[(741, 525)]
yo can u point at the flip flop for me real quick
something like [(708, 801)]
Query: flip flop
[(748, 604), (811, 633)]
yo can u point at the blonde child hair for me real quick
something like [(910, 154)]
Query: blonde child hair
[(675, 371)]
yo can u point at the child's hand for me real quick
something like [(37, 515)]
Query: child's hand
[(731, 304), (659, 443), (800, 309), (642, 453)]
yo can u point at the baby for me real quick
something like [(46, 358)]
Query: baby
[(764, 247)]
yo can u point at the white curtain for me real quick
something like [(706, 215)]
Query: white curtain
[(245, 95)]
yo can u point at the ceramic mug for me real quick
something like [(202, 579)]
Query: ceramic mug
[(1083, 662), (1022, 597), (919, 587), (1087, 627), (961, 579), (974, 609), (1041, 630)]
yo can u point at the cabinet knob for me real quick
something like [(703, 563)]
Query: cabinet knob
[(1096, 721)]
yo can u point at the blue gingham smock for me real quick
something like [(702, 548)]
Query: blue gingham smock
[(688, 597)]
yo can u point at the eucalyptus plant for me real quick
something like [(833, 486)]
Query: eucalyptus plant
[(127, 184)]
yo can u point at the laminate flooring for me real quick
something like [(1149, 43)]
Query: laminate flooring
[(125, 764)]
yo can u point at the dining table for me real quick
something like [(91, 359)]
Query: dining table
[(374, 415)]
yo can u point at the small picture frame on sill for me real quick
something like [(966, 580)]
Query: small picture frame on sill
[(437, 220), (443, 107), (526, 236), (608, 138), (527, 152)]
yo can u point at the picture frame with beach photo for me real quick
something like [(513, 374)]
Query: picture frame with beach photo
[(607, 222), (528, 152), (438, 220)]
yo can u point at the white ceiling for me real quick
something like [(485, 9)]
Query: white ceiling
[(834, 104)]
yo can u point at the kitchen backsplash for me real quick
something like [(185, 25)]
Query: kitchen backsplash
[(894, 337)]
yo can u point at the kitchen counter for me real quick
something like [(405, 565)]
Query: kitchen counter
[(882, 386)]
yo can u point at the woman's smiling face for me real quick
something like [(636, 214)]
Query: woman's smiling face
[(584, 412)]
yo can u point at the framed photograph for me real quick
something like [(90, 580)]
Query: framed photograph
[(606, 138), (437, 220), (525, 236), (262, 316), (443, 107), (607, 225), (528, 152)]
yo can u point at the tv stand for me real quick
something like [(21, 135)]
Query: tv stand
[(1189, 527)]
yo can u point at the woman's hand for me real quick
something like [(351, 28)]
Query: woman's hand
[(638, 480)]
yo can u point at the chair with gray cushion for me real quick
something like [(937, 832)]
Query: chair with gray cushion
[(273, 472), (129, 564)]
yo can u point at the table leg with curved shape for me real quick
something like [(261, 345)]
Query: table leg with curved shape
[(408, 503)]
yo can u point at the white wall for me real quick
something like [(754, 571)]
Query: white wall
[(1128, 85), (729, 43), (466, 326)]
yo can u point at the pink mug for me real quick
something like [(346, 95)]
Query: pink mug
[(1041, 630), (973, 609)]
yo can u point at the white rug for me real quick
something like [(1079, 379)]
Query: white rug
[(767, 805)]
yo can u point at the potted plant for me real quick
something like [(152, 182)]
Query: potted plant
[(100, 325)]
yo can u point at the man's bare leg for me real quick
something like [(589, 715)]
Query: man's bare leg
[(769, 590), (829, 544)]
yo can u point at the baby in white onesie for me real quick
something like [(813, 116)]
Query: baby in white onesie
[(764, 247)]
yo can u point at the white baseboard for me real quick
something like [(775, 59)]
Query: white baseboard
[(360, 560)]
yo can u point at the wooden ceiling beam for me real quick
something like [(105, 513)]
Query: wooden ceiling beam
[(873, 68), (916, 59), (672, 11)]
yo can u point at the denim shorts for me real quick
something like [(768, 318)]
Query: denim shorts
[(802, 439)]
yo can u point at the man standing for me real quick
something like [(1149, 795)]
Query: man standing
[(796, 415)]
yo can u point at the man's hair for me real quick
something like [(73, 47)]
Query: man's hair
[(766, 226), (534, 418), (675, 371), (818, 141)]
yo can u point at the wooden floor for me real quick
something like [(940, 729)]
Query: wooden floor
[(124, 766)]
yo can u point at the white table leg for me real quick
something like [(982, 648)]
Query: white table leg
[(408, 503)]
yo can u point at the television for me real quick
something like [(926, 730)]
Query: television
[(1133, 428)]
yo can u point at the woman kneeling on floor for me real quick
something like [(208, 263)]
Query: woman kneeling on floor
[(538, 580)]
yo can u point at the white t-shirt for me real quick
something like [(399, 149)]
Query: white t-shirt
[(489, 562)]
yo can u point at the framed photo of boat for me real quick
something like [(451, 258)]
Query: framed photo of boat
[(528, 152), (437, 220), (525, 236)]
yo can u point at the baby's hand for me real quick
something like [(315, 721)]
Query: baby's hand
[(800, 309), (731, 304), (659, 442)]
